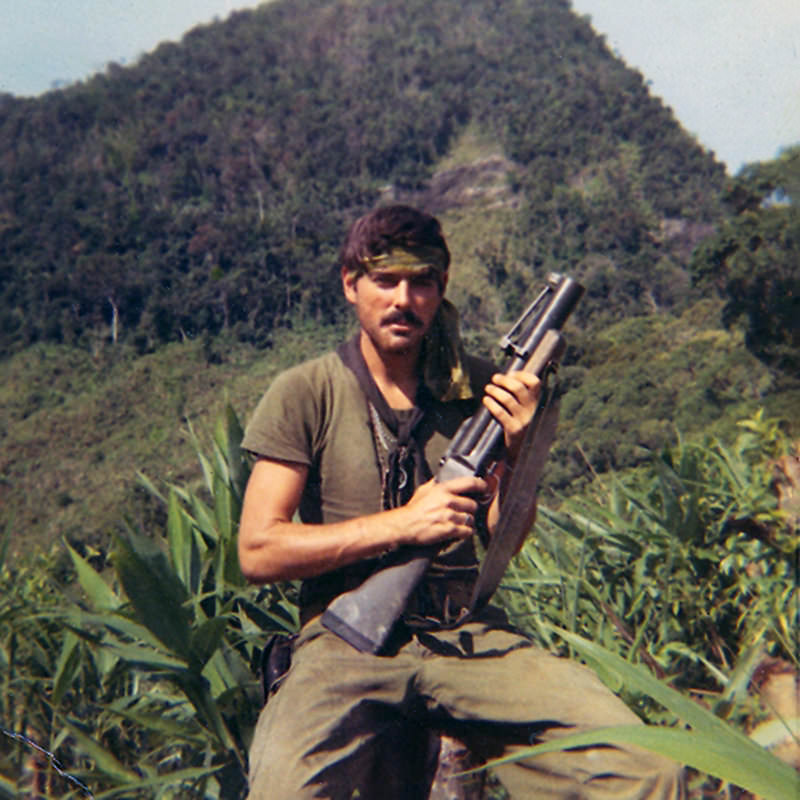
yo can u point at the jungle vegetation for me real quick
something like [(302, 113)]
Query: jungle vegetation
[(171, 227), (168, 242)]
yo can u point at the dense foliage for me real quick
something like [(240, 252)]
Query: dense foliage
[(146, 684), (687, 564), (754, 259), (141, 680), (200, 196), (158, 220), (206, 188)]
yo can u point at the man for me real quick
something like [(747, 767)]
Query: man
[(348, 440)]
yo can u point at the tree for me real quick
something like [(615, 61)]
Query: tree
[(753, 260)]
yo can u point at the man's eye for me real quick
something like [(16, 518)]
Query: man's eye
[(424, 281)]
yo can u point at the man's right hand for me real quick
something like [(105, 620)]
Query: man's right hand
[(274, 548), (438, 512)]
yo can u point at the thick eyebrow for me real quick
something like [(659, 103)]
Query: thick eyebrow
[(412, 275)]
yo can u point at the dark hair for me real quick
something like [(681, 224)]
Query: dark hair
[(379, 231)]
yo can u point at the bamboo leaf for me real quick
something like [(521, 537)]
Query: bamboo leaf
[(729, 754), (8, 788), (156, 592), (4, 545), (205, 465), (99, 593), (66, 667), (634, 677), (750, 767), (230, 444), (204, 518), (183, 545), (182, 776), (157, 722), (79, 620), (207, 638), (197, 691), (104, 760), (225, 508), (150, 487), (146, 657)]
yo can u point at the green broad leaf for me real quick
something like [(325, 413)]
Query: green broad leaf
[(208, 470), (183, 545), (199, 695), (204, 518), (746, 665), (751, 768), (225, 508), (719, 737), (156, 592), (116, 623), (207, 637), (687, 652), (181, 776), (146, 657), (228, 569), (8, 788), (158, 722), (99, 593), (575, 523), (205, 465), (182, 492), (219, 677), (104, 760), (4, 545), (734, 466), (640, 679), (66, 667), (229, 438), (146, 483), (221, 469)]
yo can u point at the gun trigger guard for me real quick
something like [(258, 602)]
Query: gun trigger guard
[(493, 480), (402, 479)]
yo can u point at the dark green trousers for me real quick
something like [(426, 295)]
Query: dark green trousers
[(348, 725)]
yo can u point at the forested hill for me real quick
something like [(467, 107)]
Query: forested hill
[(205, 188)]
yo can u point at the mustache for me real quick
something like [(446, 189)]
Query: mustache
[(404, 318)]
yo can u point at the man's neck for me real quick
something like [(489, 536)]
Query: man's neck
[(395, 374)]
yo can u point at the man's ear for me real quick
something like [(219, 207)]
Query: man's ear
[(349, 280), (444, 282)]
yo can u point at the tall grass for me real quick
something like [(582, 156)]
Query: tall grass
[(683, 571), (150, 680), (141, 678)]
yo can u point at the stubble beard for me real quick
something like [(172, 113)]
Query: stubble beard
[(385, 341)]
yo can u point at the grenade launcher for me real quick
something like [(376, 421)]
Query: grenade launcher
[(365, 616)]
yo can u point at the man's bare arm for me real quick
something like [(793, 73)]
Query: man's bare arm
[(273, 548)]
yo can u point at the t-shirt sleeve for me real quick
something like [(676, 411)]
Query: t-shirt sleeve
[(284, 423)]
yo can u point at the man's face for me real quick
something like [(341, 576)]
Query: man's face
[(395, 308)]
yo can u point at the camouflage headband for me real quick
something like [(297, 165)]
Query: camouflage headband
[(401, 259), (444, 366)]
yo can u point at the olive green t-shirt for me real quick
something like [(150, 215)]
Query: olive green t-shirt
[(315, 414)]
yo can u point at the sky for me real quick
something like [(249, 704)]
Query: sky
[(729, 69)]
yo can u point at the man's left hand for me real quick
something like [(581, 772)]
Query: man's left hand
[(511, 398)]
